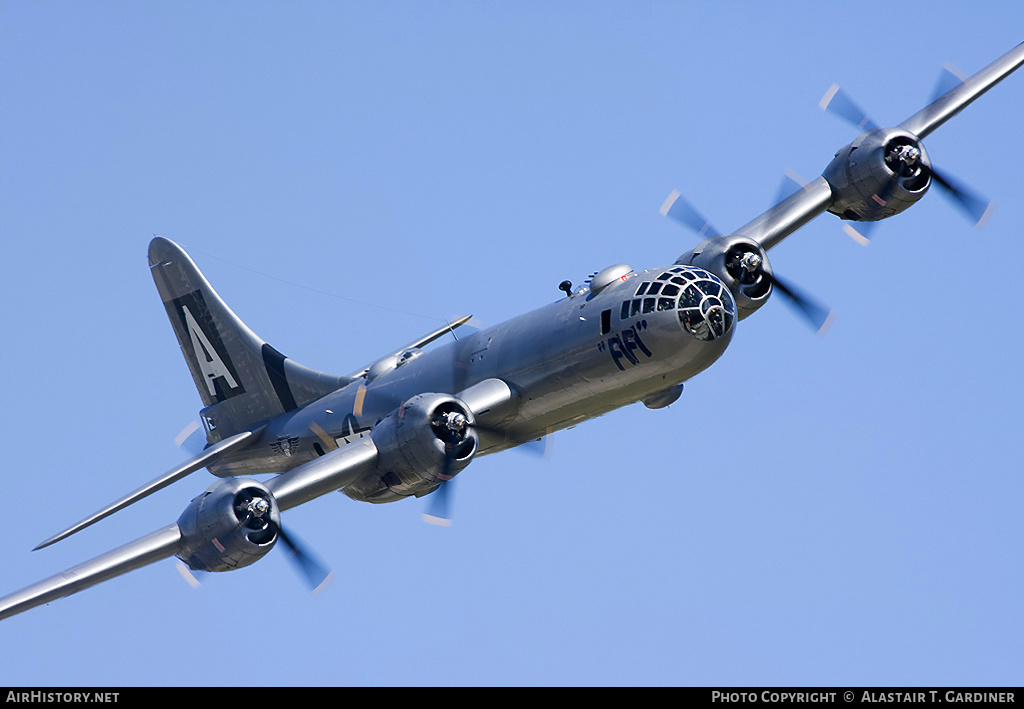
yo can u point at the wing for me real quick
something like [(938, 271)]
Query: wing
[(952, 102), (193, 541), (152, 547), (318, 477), (783, 219)]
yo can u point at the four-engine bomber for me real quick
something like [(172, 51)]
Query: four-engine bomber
[(406, 424)]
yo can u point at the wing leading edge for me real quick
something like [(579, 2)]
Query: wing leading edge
[(774, 225), (143, 551), (316, 478)]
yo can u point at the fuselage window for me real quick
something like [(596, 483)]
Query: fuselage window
[(635, 308), (606, 321), (625, 310)]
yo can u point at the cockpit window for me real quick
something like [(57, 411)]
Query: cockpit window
[(706, 307), (691, 298)]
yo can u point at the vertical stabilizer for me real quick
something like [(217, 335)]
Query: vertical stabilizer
[(242, 380)]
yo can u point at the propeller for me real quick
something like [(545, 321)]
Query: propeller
[(975, 206), (188, 574), (747, 266), (452, 427), (949, 78), (254, 512), (439, 508), (839, 102), (860, 234), (818, 315), (902, 158), (317, 576), (682, 211), (192, 438)]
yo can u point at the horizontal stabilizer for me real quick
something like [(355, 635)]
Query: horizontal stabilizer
[(202, 460)]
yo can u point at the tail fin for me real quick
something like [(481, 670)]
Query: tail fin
[(241, 379)]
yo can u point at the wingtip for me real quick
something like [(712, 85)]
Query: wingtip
[(55, 538)]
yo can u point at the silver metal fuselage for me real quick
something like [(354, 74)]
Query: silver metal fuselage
[(567, 362), (409, 422)]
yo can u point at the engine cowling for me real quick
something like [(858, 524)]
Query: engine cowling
[(231, 525), (740, 263), (427, 440), (880, 174)]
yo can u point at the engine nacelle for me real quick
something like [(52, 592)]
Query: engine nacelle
[(881, 173), (231, 525), (428, 440), (742, 266)]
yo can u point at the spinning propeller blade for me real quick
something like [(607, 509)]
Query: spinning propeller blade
[(819, 316), (192, 438), (256, 512), (976, 207), (317, 576), (816, 314), (439, 509), (861, 234), (682, 211), (838, 102), (949, 78)]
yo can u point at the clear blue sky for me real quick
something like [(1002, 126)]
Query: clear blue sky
[(842, 510)]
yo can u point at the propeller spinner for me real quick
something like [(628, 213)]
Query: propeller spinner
[(742, 264), (255, 513), (907, 164)]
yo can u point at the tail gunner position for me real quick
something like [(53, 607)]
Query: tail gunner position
[(407, 423)]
